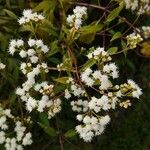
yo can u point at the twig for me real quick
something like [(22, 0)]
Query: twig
[(106, 10)]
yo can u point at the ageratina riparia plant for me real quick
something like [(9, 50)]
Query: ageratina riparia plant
[(56, 70)]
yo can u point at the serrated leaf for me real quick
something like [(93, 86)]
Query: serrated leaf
[(116, 36), (62, 80), (70, 133), (114, 13), (49, 130), (88, 64), (112, 50)]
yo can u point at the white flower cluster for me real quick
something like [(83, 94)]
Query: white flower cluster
[(79, 105), (146, 31), (133, 39), (34, 50), (32, 69), (140, 6), (30, 16), (131, 89), (2, 66), (22, 137), (99, 53), (106, 96), (75, 89), (76, 19), (92, 126)]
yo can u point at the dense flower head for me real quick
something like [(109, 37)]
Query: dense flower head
[(146, 31), (30, 16), (21, 137), (91, 91), (2, 66), (133, 39), (104, 95), (76, 19), (140, 6), (30, 50)]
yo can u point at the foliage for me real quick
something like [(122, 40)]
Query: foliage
[(107, 24)]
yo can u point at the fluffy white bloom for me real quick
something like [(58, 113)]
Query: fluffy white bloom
[(79, 117), (31, 42), (133, 39), (104, 120), (29, 15), (146, 31), (31, 52), (97, 104), (34, 59), (44, 48), (137, 91), (31, 104), (111, 69), (2, 66), (92, 126), (23, 54), (76, 19), (105, 82), (79, 105), (67, 94), (2, 137), (99, 53), (42, 103), (140, 6), (27, 139)]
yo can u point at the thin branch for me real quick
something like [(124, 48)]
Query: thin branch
[(106, 10)]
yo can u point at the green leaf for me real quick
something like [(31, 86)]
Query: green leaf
[(114, 13), (92, 28), (116, 36), (62, 80), (10, 13), (43, 118), (112, 50), (88, 64), (70, 133), (44, 5), (47, 129), (54, 48), (87, 33)]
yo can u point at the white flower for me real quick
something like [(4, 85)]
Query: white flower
[(2, 66), (39, 43), (34, 59), (44, 49), (23, 53), (20, 91), (79, 117), (67, 94), (76, 19), (31, 42), (87, 120), (31, 104), (104, 120), (27, 139), (2, 137), (105, 82), (29, 15), (19, 43), (137, 91), (31, 52)]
